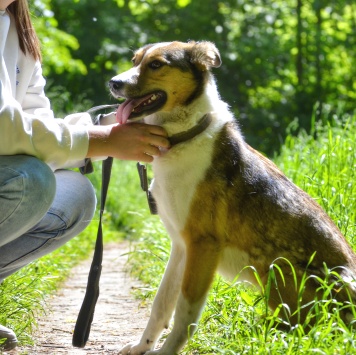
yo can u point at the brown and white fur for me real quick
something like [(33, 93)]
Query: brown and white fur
[(225, 206)]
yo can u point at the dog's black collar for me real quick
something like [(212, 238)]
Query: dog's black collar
[(200, 127)]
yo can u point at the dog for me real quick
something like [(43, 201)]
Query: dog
[(226, 207)]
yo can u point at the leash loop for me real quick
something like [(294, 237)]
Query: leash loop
[(86, 313)]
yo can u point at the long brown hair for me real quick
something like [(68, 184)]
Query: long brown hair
[(28, 40)]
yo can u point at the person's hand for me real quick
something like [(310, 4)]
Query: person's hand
[(130, 141)]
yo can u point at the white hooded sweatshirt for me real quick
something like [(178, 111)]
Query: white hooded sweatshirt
[(27, 124)]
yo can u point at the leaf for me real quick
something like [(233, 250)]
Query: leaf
[(183, 3)]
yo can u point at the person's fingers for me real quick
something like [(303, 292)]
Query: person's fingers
[(152, 150), (159, 141), (145, 158), (156, 130), (152, 129), (155, 135)]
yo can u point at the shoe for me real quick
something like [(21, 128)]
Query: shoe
[(11, 340)]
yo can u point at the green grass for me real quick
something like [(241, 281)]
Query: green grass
[(325, 168), (235, 320)]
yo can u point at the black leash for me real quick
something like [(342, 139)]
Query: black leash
[(86, 313)]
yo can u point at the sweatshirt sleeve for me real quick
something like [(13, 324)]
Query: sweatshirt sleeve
[(55, 141)]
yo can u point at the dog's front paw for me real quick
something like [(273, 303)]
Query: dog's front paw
[(134, 349)]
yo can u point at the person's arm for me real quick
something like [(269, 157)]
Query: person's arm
[(52, 141), (29, 128)]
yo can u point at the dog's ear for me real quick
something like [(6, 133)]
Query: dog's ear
[(205, 55)]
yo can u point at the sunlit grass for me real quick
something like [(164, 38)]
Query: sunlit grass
[(325, 168)]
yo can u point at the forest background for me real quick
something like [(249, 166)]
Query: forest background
[(282, 60)]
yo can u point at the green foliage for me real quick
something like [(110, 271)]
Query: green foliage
[(279, 57), (57, 45)]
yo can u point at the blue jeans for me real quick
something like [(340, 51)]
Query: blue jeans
[(40, 210)]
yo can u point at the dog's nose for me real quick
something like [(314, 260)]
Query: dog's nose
[(115, 85)]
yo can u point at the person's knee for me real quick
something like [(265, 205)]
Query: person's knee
[(27, 189), (27, 184), (39, 183), (71, 211), (88, 197), (78, 196)]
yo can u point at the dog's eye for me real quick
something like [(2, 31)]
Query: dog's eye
[(156, 64)]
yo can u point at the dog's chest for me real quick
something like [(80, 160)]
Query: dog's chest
[(176, 177)]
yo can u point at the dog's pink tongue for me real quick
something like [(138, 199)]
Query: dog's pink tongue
[(124, 111)]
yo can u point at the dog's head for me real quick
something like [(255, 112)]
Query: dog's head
[(164, 76)]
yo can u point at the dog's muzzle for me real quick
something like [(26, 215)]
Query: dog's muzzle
[(115, 85)]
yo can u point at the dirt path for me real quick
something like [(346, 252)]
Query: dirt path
[(118, 318)]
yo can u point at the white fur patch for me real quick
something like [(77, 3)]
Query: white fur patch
[(127, 76), (233, 262)]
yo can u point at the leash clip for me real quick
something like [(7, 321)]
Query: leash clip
[(142, 172)]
